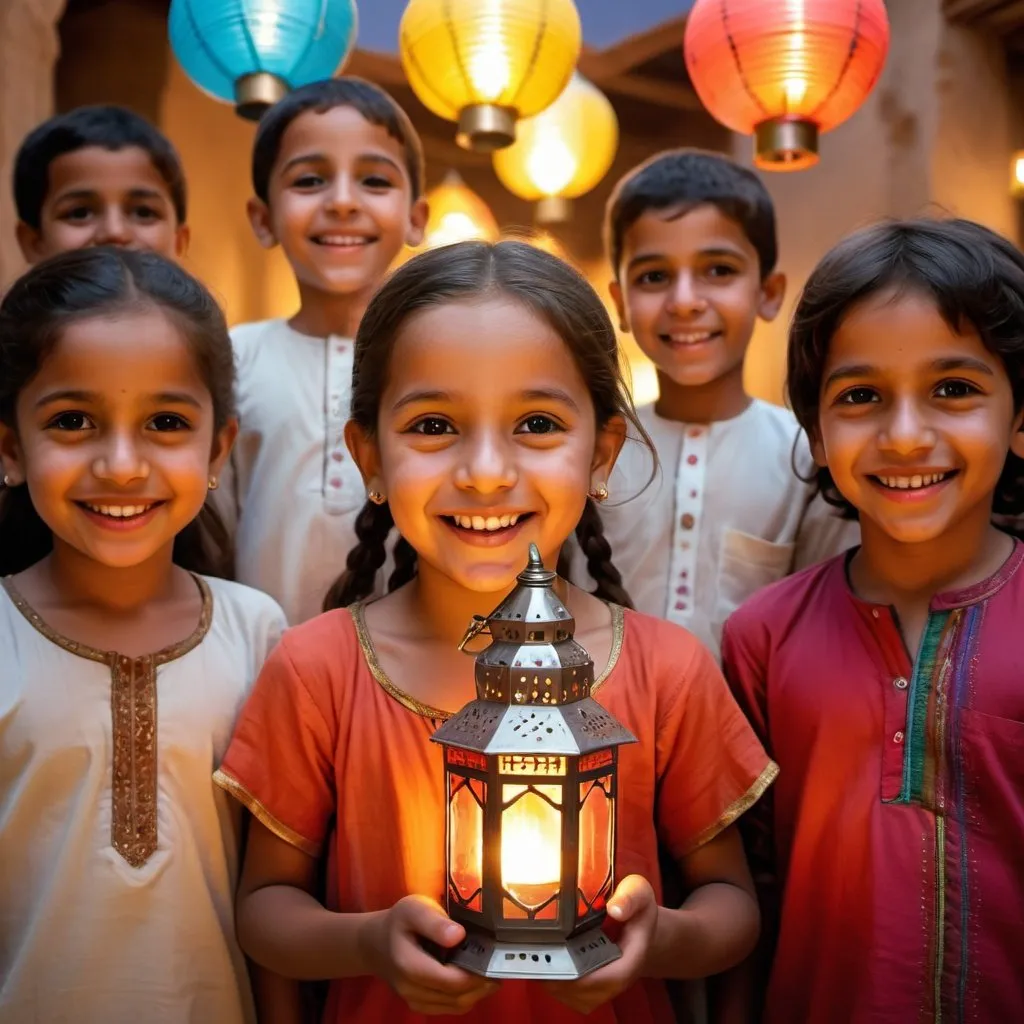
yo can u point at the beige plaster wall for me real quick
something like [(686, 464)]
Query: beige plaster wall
[(935, 136)]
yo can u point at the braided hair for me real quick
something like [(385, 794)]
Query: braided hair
[(546, 286)]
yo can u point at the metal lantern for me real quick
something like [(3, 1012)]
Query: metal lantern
[(530, 779), (785, 71), (253, 52), (563, 152), (487, 63)]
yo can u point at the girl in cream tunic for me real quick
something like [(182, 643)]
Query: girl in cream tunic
[(124, 665)]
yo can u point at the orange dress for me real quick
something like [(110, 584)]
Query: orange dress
[(334, 759)]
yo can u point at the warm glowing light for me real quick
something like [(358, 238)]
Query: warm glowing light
[(785, 72), (551, 164), (1017, 181), (457, 214), (531, 845), (516, 55), (564, 151)]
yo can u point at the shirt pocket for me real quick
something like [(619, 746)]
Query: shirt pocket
[(991, 755), (746, 564)]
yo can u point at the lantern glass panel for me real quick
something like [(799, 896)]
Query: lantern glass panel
[(466, 839), (531, 843), (597, 829)]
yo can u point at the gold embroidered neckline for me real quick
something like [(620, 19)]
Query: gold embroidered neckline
[(133, 713), (425, 710), (82, 650)]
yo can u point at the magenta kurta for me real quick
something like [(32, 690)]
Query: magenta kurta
[(892, 844)]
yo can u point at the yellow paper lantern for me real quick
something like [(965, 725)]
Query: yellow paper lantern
[(563, 152), (457, 214), (487, 63)]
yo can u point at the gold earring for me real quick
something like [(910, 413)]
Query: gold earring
[(376, 497), (212, 483), (599, 493)]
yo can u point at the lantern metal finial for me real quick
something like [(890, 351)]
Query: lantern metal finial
[(786, 143), (257, 92), (531, 783)]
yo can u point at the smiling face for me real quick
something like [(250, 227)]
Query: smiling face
[(115, 438), (690, 291), (98, 196), (340, 203), (916, 419), (487, 441)]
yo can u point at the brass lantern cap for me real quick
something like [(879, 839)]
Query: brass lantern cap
[(485, 127), (553, 210), (255, 93), (786, 144)]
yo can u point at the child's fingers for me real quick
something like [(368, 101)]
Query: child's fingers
[(425, 918), (633, 897), (425, 973)]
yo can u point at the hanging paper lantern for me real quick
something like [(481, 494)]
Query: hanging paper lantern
[(785, 71), (563, 152), (253, 52), (487, 63), (457, 214)]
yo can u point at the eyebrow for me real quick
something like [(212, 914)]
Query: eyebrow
[(651, 257), (313, 158), (93, 398), (941, 365), (530, 395), (91, 193)]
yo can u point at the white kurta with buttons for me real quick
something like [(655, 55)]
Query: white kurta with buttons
[(295, 488), (724, 516), (85, 935)]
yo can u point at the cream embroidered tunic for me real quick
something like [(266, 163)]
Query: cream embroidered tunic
[(295, 488), (724, 516), (118, 855)]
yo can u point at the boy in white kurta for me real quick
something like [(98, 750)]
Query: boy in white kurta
[(118, 855), (691, 238), (338, 175)]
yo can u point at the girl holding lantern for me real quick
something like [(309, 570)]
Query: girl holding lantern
[(488, 409)]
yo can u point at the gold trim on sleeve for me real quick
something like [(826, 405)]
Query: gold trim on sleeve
[(737, 808), (232, 786)]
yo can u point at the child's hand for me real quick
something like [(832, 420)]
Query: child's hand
[(633, 904), (397, 957)]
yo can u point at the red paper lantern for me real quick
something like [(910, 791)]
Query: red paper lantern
[(785, 70)]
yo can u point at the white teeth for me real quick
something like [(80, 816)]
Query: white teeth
[(488, 523), (119, 511), (342, 240), (912, 483), (689, 338)]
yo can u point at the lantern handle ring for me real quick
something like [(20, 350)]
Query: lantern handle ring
[(473, 630)]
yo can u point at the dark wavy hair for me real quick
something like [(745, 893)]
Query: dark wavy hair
[(462, 272), (105, 126), (94, 282), (683, 179), (372, 102), (973, 276)]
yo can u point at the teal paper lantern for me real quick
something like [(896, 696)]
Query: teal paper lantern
[(253, 52)]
